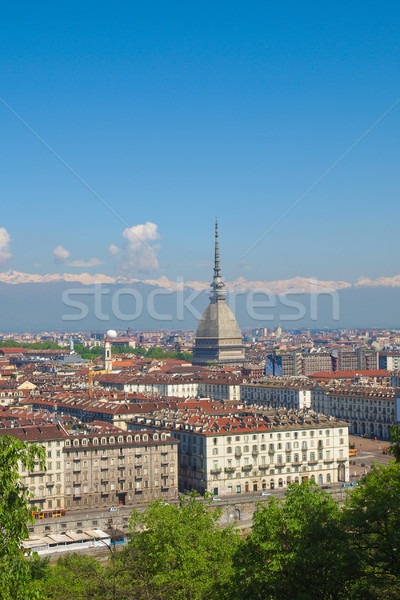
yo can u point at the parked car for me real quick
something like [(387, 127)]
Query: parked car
[(266, 494), (113, 509), (346, 485)]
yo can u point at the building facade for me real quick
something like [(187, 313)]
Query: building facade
[(370, 410), (256, 457)]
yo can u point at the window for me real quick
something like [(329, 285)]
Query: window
[(229, 450), (215, 451)]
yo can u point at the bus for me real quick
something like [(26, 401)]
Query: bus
[(353, 452), (48, 514)]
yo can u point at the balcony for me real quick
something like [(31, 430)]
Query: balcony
[(312, 462), (230, 469), (104, 479), (215, 471), (138, 466), (264, 467), (247, 468), (198, 469), (138, 478), (76, 469), (164, 463), (121, 466), (238, 454), (104, 468), (341, 460), (280, 465), (297, 464), (328, 461), (254, 451)]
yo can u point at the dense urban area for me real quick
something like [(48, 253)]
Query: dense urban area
[(144, 422)]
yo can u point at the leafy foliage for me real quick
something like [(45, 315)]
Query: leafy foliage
[(15, 514), (298, 550), (394, 447), (180, 552), (372, 516), (48, 345)]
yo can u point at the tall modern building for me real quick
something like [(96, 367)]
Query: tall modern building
[(218, 337)]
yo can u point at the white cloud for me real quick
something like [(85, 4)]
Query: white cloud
[(114, 250), (92, 262), (60, 255), (136, 253), (4, 245)]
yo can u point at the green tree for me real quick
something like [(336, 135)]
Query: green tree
[(372, 514), (297, 550), (179, 552), (15, 515), (78, 576), (394, 447)]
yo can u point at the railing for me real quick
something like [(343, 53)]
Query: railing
[(230, 469), (215, 471), (247, 467)]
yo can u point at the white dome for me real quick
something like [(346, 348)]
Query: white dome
[(111, 334)]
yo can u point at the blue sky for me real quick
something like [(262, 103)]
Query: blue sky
[(177, 112)]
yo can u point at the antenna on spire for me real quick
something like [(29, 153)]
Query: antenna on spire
[(217, 286), (217, 268)]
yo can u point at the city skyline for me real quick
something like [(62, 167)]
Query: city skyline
[(116, 128)]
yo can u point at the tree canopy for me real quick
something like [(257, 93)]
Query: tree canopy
[(15, 515), (297, 550)]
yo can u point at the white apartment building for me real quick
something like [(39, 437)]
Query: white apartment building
[(229, 456), (178, 388), (369, 409), (224, 389), (291, 393), (46, 486)]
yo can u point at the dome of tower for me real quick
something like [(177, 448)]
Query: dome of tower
[(218, 321)]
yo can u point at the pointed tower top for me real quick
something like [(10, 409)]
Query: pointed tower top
[(217, 286), (217, 268)]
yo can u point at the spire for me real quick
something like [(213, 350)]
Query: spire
[(217, 268), (217, 286)]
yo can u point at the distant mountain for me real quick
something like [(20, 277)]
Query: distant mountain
[(69, 305)]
